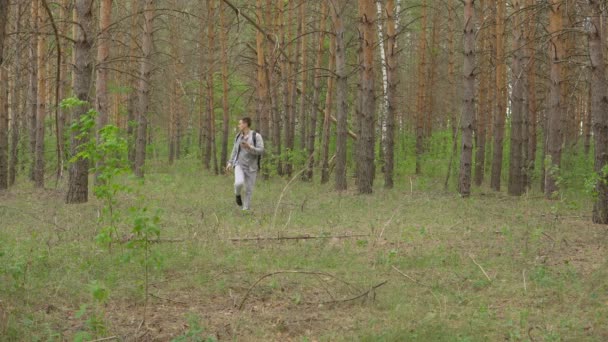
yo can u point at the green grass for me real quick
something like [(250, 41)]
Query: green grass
[(546, 261)]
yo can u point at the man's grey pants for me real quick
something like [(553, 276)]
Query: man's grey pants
[(244, 178)]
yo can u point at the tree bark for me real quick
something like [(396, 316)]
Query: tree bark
[(225, 105), (78, 180), (532, 112), (325, 136), (554, 119), (421, 89), (33, 87), (312, 129), (16, 110), (3, 99), (482, 108), (210, 84), (39, 161), (144, 88), (599, 109), (103, 52), (468, 108), (501, 97), (391, 93), (367, 140), (304, 67), (132, 96), (341, 93), (515, 187)]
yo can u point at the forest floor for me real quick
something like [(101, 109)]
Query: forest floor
[(413, 263)]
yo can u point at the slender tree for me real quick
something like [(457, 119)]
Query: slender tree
[(468, 107), (337, 11), (367, 140), (421, 89), (143, 90), (391, 93), (3, 99), (39, 161), (599, 108), (78, 180), (554, 114), (517, 102), (501, 96)]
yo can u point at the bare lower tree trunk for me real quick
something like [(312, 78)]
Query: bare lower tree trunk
[(482, 107), (391, 93), (421, 97), (304, 66), (103, 52), (132, 96), (554, 114), (33, 87), (517, 95), (3, 99), (367, 139), (3, 118), (468, 108), (78, 180), (327, 113), (532, 112), (501, 97), (599, 108), (144, 88), (16, 110), (337, 10), (451, 91), (210, 84), (312, 129), (39, 161), (225, 105)]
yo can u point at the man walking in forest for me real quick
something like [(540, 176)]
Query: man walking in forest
[(245, 160)]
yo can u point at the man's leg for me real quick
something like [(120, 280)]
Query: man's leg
[(239, 181), (249, 184)]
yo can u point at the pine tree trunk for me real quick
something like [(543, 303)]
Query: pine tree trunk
[(515, 158), (501, 97), (367, 141), (39, 161), (210, 84), (16, 110), (3, 99), (143, 90), (312, 129), (225, 105), (304, 67), (468, 109), (4, 87), (103, 52), (78, 180), (482, 108), (554, 114), (421, 89), (599, 109), (33, 88), (132, 96), (451, 90), (341, 93), (532, 113), (327, 113)]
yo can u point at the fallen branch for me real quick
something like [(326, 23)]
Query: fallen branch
[(410, 278), (168, 299), (105, 339), (290, 272), (300, 237), (370, 290), (481, 268)]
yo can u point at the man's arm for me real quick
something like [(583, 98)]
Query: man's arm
[(232, 160), (259, 149)]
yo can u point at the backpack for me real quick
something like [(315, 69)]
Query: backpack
[(254, 145)]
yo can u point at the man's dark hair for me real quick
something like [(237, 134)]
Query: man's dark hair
[(247, 120)]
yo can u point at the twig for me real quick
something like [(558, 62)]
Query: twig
[(410, 278), (371, 289), (301, 237), (481, 268), (287, 272), (276, 209), (168, 299), (105, 339), (523, 274)]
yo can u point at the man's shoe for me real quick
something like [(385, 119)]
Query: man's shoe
[(239, 201)]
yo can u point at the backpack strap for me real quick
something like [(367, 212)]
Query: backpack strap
[(255, 144)]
